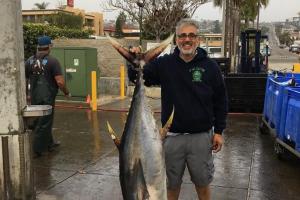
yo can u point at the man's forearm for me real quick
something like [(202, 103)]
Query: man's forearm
[(61, 84)]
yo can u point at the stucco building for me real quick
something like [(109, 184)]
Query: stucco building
[(91, 20)]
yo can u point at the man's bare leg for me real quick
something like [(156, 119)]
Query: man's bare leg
[(173, 194), (203, 192)]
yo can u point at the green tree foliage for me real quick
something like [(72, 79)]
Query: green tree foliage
[(65, 20), (42, 6), (32, 31), (159, 25), (285, 38), (264, 30), (278, 28), (250, 10), (121, 19), (248, 13), (217, 27)]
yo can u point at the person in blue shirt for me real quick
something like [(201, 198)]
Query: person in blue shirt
[(44, 75)]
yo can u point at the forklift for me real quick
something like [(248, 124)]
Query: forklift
[(246, 86), (252, 62)]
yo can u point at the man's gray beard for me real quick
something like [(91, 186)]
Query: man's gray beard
[(187, 52)]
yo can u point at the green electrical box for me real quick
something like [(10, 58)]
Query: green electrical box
[(77, 64)]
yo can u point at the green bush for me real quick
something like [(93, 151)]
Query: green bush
[(64, 20), (32, 31)]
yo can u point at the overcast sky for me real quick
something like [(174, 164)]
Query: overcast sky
[(278, 10)]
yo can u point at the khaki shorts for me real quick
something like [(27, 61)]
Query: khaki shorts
[(193, 151)]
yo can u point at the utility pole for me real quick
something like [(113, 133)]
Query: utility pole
[(16, 177), (141, 6)]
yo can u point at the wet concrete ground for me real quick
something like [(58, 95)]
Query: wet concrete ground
[(85, 166)]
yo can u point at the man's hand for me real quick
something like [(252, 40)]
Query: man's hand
[(135, 50), (163, 132), (68, 95), (132, 73), (217, 143)]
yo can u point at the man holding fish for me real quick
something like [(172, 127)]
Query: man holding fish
[(192, 83)]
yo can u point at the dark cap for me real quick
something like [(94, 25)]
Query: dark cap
[(44, 41)]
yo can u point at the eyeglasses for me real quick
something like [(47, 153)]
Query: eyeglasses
[(191, 36)]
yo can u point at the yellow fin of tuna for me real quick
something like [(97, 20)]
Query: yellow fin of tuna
[(112, 133), (163, 131)]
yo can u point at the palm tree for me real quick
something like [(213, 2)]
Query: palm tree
[(260, 3), (41, 6), (235, 10), (249, 12), (231, 27)]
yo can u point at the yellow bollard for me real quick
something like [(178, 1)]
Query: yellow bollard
[(94, 91), (296, 68), (122, 81)]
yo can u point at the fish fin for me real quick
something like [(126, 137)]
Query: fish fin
[(112, 133), (156, 50), (163, 131), (130, 57)]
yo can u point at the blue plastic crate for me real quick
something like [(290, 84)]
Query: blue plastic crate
[(273, 99), (285, 75), (296, 75), (290, 123), (269, 88)]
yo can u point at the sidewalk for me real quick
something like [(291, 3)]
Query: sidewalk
[(85, 167)]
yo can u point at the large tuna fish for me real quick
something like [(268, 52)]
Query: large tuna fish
[(142, 162)]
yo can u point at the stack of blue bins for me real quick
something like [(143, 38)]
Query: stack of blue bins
[(279, 94), (289, 129)]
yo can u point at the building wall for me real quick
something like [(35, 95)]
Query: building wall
[(36, 16), (213, 40), (97, 17), (76, 11), (98, 23)]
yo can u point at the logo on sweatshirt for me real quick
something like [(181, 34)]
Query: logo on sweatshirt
[(197, 73)]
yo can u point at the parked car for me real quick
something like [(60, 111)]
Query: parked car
[(294, 48), (281, 46), (213, 51)]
